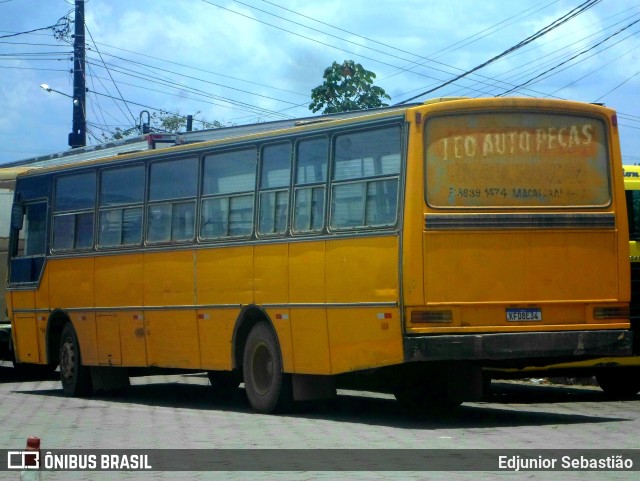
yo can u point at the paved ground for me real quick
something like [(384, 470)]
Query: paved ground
[(183, 411)]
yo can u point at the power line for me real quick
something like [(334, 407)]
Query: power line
[(182, 75), (555, 24), (189, 67), (572, 58), (395, 67), (50, 27), (114, 82), (34, 68), (172, 84), (413, 64), (618, 86), (532, 65), (595, 70), (235, 103), (309, 38)]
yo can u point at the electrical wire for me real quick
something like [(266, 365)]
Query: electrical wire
[(528, 82), (523, 70), (617, 86), (552, 26), (114, 82), (178, 86)]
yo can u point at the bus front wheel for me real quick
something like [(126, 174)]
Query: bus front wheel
[(619, 382), (75, 378), (268, 387)]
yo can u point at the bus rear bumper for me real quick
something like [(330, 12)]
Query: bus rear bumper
[(513, 346)]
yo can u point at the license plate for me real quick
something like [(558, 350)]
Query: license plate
[(519, 315)]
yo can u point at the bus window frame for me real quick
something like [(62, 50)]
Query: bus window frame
[(260, 190), (311, 186), (366, 180), (170, 201), (202, 197), (75, 212), (37, 259), (121, 206)]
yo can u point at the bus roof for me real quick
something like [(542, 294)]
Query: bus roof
[(143, 144), (157, 140), (98, 154), (10, 173)]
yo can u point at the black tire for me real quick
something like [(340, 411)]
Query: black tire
[(268, 388), (619, 382), (75, 378), (224, 380)]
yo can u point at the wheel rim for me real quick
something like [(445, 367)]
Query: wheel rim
[(67, 359), (262, 368)]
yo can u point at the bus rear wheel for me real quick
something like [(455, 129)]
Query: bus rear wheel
[(268, 387), (75, 378), (619, 382)]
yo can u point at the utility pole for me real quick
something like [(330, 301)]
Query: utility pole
[(78, 137)]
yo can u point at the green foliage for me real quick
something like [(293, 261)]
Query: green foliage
[(162, 122), (347, 86)]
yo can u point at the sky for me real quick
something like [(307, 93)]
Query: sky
[(239, 62)]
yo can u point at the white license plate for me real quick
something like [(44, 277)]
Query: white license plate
[(519, 315)]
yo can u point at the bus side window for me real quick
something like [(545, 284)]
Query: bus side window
[(228, 185), (382, 198), (159, 223), (84, 231), (172, 200), (110, 227), (365, 179), (311, 175), (74, 207), (120, 204), (274, 189), (28, 245), (32, 236)]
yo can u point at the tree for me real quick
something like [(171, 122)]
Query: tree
[(161, 122), (347, 86)]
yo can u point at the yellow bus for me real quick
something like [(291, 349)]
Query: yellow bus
[(409, 246)]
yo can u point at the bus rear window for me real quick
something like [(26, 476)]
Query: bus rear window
[(516, 159)]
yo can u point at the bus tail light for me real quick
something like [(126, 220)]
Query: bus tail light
[(611, 313), (431, 316)]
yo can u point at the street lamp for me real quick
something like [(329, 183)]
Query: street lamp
[(77, 137), (49, 89)]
